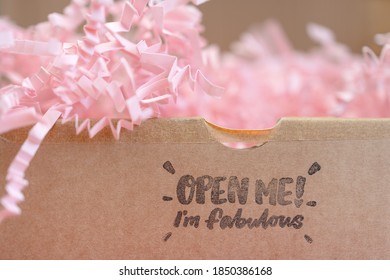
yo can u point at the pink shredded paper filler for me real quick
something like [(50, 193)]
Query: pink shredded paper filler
[(151, 61)]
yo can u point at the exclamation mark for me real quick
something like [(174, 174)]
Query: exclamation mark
[(300, 190)]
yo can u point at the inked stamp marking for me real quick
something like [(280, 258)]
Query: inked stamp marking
[(314, 168), (167, 236), (169, 167), (300, 190), (223, 190), (308, 239), (187, 220), (312, 203)]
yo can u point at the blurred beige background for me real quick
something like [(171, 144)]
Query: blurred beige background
[(355, 22)]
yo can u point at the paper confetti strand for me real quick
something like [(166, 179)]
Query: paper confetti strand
[(15, 175)]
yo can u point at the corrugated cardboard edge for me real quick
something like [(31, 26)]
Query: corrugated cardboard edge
[(197, 130)]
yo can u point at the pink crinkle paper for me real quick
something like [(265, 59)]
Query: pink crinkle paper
[(150, 60)]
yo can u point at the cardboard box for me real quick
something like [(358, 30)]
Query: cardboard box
[(311, 189)]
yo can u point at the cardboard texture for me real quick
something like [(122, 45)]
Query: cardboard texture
[(311, 189)]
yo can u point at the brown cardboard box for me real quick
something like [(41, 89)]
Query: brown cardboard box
[(313, 189)]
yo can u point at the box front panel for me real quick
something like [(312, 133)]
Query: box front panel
[(282, 200)]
